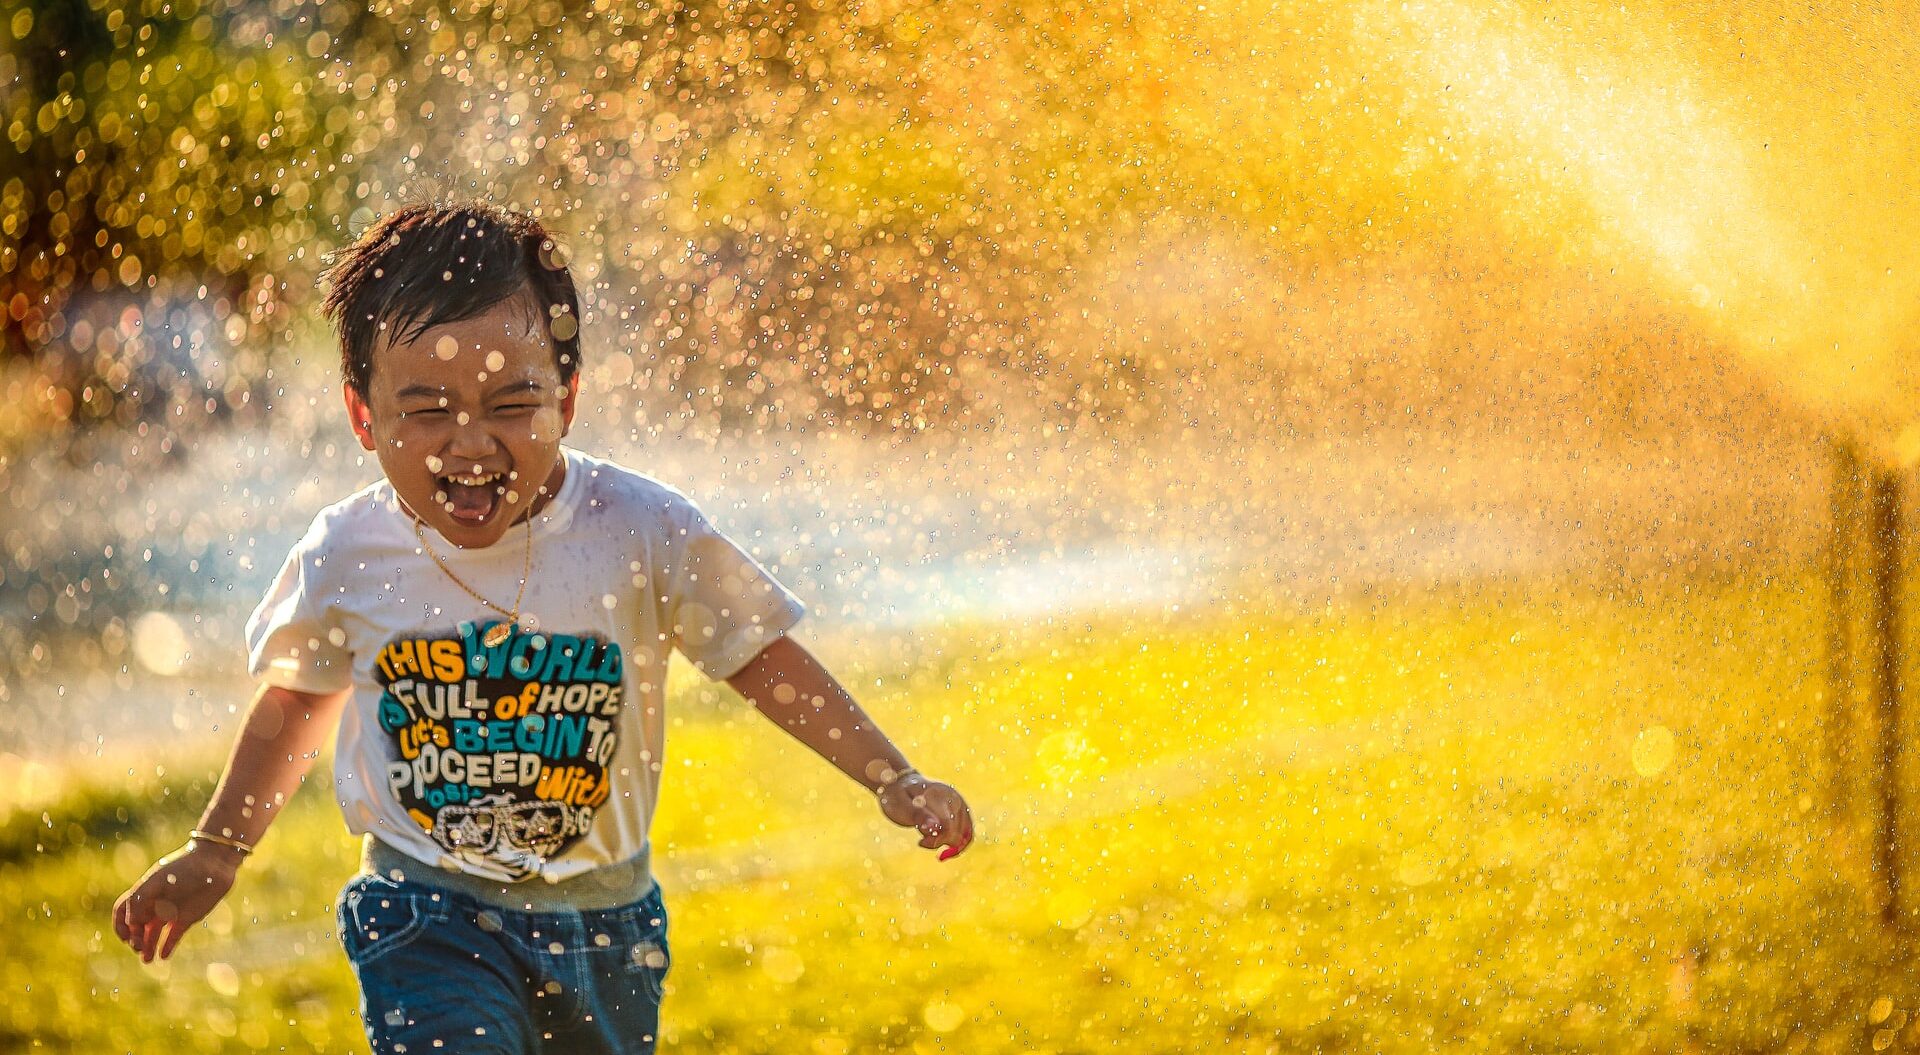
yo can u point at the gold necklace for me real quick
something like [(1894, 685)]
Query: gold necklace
[(498, 633)]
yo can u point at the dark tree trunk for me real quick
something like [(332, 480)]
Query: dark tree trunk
[(1886, 682)]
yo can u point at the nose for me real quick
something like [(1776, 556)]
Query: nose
[(470, 440)]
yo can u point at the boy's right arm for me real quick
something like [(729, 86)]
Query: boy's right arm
[(283, 734)]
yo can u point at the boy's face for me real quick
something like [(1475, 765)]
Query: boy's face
[(466, 420)]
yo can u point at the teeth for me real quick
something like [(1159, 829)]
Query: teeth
[(474, 481)]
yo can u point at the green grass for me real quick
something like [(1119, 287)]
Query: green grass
[(1397, 823)]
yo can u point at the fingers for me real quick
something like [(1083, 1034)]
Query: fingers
[(946, 821), (170, 923), (131, 919), (174, 933), (147, 926), (939, 814), (155, 913), (934, 818), (964, 837), (121, 929)]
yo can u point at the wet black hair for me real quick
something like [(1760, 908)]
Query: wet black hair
[(427, 264)]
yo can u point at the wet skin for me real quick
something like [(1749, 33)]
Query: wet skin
[(478, 401)]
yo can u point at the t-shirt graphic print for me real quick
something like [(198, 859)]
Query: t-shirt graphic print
[(500, 753), (541, 755)]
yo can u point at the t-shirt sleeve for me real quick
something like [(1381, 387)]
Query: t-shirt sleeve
[(723, 606), (294, 637)]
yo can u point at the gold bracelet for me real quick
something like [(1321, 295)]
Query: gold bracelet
[(221, 840), (898, 776)]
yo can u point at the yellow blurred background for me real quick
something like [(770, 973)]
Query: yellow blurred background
[(1342, 484)]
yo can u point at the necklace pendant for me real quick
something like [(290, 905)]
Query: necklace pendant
[(496, 635)]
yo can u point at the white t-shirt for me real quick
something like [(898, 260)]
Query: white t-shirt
[(540, 755)]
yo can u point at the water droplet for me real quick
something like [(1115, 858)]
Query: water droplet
[(1652, 750), (943, 1016), (782, 965), (160, 644), (223, 979)]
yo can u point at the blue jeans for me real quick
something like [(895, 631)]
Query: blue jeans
[(439, 965)]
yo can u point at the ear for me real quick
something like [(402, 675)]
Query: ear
[(360, 416), (567, 400)]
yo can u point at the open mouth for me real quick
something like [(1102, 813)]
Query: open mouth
[(471, 498)]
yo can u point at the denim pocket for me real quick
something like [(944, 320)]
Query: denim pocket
[(378, 915), (642, 935)]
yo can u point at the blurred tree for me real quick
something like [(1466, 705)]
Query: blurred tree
[(865, 211), (158, 152)]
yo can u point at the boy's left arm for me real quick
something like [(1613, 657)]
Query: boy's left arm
[(785, 683)]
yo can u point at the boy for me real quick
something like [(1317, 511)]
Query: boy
[(489, 626)]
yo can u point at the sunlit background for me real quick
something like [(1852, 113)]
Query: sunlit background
[(1344, 487)]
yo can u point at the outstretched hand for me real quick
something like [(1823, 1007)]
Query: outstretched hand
[(936, 809), (177, 892)]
